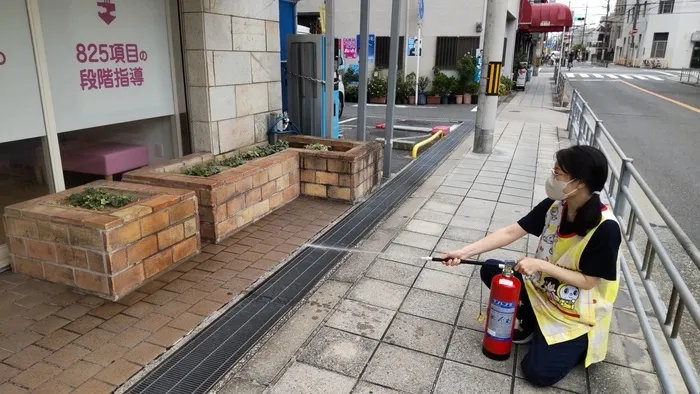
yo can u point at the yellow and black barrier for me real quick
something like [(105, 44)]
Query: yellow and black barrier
[(494, 78)]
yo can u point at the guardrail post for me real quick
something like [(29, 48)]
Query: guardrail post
[(625, 176), (572, 112), (596, 133), (581, 122)]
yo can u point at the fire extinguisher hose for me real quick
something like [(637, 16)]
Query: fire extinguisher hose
[(475, 262)]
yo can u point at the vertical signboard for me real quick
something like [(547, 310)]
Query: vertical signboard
[(21, 115), (370, 47), (349, 48), (108, 61)]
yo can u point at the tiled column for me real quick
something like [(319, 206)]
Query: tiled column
[(232, 52)]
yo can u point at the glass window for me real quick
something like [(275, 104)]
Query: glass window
[(658, 46), (666, 6)]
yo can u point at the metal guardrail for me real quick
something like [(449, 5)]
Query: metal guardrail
[(585, 128), (690, 75)]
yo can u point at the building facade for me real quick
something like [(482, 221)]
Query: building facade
[(450, 30), (663, 31), (168, 76)]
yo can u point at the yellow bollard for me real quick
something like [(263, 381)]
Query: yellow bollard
[(414, 152)]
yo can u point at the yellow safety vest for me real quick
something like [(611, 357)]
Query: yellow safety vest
[(565, 312)]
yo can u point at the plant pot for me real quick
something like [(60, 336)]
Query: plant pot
[(445, 100), (475, 98), (421, 99), (459, 99), (451, 99), (466, 98), (377, 100), (412, 100), (433, 100)]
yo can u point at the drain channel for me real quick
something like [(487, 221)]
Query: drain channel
[(204, 360)]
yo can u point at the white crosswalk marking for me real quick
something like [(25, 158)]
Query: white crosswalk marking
[(654, 78), (584, 75), (665, 73), (597, 76), (626, 76), (642, 77), (571, 75), (612, 76)]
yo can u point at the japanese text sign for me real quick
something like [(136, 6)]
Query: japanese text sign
[(108, 61), (349, 48), (21, 115)]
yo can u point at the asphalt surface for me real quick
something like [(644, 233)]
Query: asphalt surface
[(663, 138)]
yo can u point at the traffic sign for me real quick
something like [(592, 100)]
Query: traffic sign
[(634, 30), (421, 9)]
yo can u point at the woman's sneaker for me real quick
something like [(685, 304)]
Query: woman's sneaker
[(523, 333)]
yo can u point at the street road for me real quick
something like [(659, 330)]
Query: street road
[(663, 138)]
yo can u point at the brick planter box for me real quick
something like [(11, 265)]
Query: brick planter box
[(235, 197), (107, 253), (348, 172)]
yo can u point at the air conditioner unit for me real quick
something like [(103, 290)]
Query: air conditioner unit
[(479, 27)]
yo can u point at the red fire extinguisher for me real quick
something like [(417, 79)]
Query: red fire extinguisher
[(501, 315)]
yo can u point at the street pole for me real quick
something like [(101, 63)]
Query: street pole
[(391, 89), (583, 36), (419, 48), (405, 41), (634, 27), (607, 34), (495, 30), (364, 63), (330, 69)]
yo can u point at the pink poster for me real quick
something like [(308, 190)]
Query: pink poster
[(349, 48)]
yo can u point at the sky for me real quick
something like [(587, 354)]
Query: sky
[(596, 9)]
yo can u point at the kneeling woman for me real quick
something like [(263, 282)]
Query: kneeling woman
[(571, 284)]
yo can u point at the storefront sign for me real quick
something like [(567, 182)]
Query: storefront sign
[(370, 47), (413, 46), (108, 61), (349, 48), (21, 115)]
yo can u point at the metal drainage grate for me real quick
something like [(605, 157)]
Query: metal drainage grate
[(204, 360)]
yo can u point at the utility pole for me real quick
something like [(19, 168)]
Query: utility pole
[(330, 68), (634, 28), (391, 88), (364, 64), (495, 30), (585, 17), (607, 34)]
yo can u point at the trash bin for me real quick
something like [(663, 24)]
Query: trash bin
[(529, 73)]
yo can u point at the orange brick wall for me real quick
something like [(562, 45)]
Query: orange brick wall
[(105, 253), (235, 197)]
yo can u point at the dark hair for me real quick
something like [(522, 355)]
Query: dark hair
[(588, 165)]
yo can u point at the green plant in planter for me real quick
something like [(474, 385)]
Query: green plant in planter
[(472, 88), (453, 86), (320, 147), (403, 88), (466, 68), (378, 85), (203, 170), (505, 87), (233, 162), (350, 76), (423, 83), (351, 94), (441, 83), (98, 199)]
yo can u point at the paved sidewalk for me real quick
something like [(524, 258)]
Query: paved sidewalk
[(55, 340), (390, 323)]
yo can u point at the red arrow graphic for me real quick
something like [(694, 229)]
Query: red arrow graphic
[(109, 8)]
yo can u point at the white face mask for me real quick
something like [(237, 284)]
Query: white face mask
[(555, 188)]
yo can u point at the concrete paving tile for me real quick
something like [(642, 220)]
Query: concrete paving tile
[(360, 318), (460, 378), (484, 187), (241, 386), (522, 201), (463, 234), (606, 378), (390, 271), (487, 181), (510, 191), (369, 388), (433, 216), (518, 185), (520, 178), (338, 351), (419, 334), (458, 184), (478, 203), (302, 378), (425, 227), (469, 313), (519, 245), (353, 267), (446, 198), (405, 254), (431, 305), (457, 191), (626, 323), (378, 293), (442, 282), (522, 386), (472, 222), (416, 240), (575, 381), (465, 347), (629, 352), (447, 245), (440, 207), (402, 369)]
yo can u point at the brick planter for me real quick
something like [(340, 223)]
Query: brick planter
[(348, 172), (107, 253), (235, 197)]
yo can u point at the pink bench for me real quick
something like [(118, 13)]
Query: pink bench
[(103, 157)]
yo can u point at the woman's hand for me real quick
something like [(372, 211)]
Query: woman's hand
[(528, 266), (454, 257)]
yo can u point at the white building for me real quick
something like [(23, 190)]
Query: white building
[(664, 31), (451, 28)]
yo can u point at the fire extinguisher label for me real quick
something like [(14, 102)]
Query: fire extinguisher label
[(501, 320)]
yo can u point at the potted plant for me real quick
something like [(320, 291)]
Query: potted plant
[(410, 88), (441, 88), (376, 89), (402, 89), (472, 92), (466, 68), (455, 92), (423, 83)]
